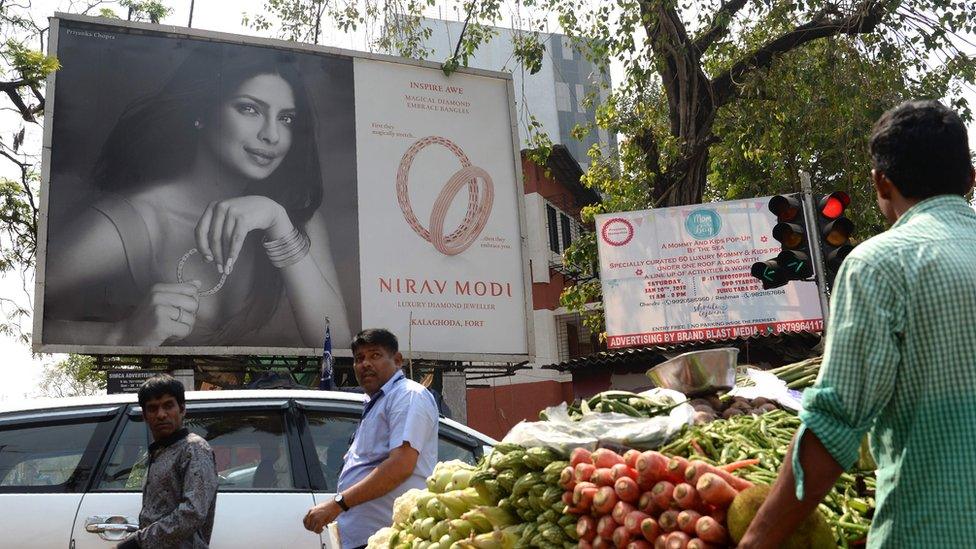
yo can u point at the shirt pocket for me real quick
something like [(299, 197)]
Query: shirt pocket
[(373, 437)]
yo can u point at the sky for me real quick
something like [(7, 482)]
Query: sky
[(20, 370)]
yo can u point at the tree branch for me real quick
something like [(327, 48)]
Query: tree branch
[(861, 20), (720, 25)]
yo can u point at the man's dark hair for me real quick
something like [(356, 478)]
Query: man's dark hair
[(923, 148), (160, 386), (376, 336)]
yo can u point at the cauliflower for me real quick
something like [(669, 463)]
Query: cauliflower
[(405, 504), (381, 539)]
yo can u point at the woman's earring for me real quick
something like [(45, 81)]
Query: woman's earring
[(197, 124)]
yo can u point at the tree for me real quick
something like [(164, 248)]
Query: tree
[(721, 99), (74, 376)]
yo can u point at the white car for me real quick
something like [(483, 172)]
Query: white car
[(71, 469)]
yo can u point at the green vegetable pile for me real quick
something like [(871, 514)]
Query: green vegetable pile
[(848, 507), (621, 402), (511, 500)]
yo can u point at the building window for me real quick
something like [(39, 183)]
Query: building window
[(567, 230), (563, 229), (551, 219), (564, 102), (567, 49), (574, 338)]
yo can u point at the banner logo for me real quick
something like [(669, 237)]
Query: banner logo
[(479, 206), (617, 231), (703, 224)]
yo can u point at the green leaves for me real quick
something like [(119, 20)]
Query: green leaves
[(33, 66)]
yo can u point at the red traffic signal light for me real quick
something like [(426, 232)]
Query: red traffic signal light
[(833, 205), (835, 232)]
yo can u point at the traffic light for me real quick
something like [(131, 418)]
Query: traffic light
[(793, 262), (835, 231)]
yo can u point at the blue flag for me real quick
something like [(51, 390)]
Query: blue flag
[(326, 383)]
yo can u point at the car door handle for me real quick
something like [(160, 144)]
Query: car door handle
[(111, 527)]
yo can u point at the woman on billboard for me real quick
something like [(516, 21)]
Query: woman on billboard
[(203, 232)]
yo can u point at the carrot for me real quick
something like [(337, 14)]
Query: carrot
[(668, 521), (630, 458), (708, 529), (655, 462), (621, 470), (677, 540), (646, 503), (650, 529), (627, 489), (719, 514), (605, 527), (714, 490), (639, 544), (621, 510), (583, 490), (621, 537), (633, 521), (601, 543), (695, 543), (605, 458), (661, 542), (583, 544), (579, 455), (602, 477), (568, 497), (567, 479), (676, 469), (687, 520), (604, 501), (584, 471), (686, 496), (663, 494), (586, 528), (700, 468), (739, 465)]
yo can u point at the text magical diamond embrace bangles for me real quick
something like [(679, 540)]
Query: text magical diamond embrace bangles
[(282, 252)]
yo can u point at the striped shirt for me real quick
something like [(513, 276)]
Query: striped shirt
[(900, 364)]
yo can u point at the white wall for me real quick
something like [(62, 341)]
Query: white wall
[(534, 93)]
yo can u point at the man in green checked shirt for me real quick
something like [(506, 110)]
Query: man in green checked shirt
[(900, 361)]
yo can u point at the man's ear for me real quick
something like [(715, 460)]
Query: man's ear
[(882, 184), (398, 359)]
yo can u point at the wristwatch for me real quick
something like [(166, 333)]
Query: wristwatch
[(340, 501)]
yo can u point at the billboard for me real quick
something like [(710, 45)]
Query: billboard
[(675, 275), (206, 193)]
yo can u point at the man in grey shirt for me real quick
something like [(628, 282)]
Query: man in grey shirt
[(180, 493)]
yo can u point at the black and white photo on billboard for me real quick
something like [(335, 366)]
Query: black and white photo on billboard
[(201, 193)]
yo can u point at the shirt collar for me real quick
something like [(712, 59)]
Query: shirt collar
[(389, 383), (938, 202), (170, 440)]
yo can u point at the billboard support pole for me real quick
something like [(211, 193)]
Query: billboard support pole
[(810, 220)]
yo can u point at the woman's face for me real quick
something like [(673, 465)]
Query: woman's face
[(253, 129)]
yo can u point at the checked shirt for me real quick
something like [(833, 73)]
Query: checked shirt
[(900, 364)]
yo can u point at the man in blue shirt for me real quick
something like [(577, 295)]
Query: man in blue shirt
[(394, 448)]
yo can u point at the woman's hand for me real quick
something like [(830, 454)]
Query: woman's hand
[(221, 230), (168, 313)]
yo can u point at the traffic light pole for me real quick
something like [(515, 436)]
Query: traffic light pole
[(810, 220)]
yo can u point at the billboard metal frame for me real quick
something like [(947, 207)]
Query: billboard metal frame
[(228, 38)]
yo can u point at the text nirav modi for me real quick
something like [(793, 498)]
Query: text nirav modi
[(480, 288)]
